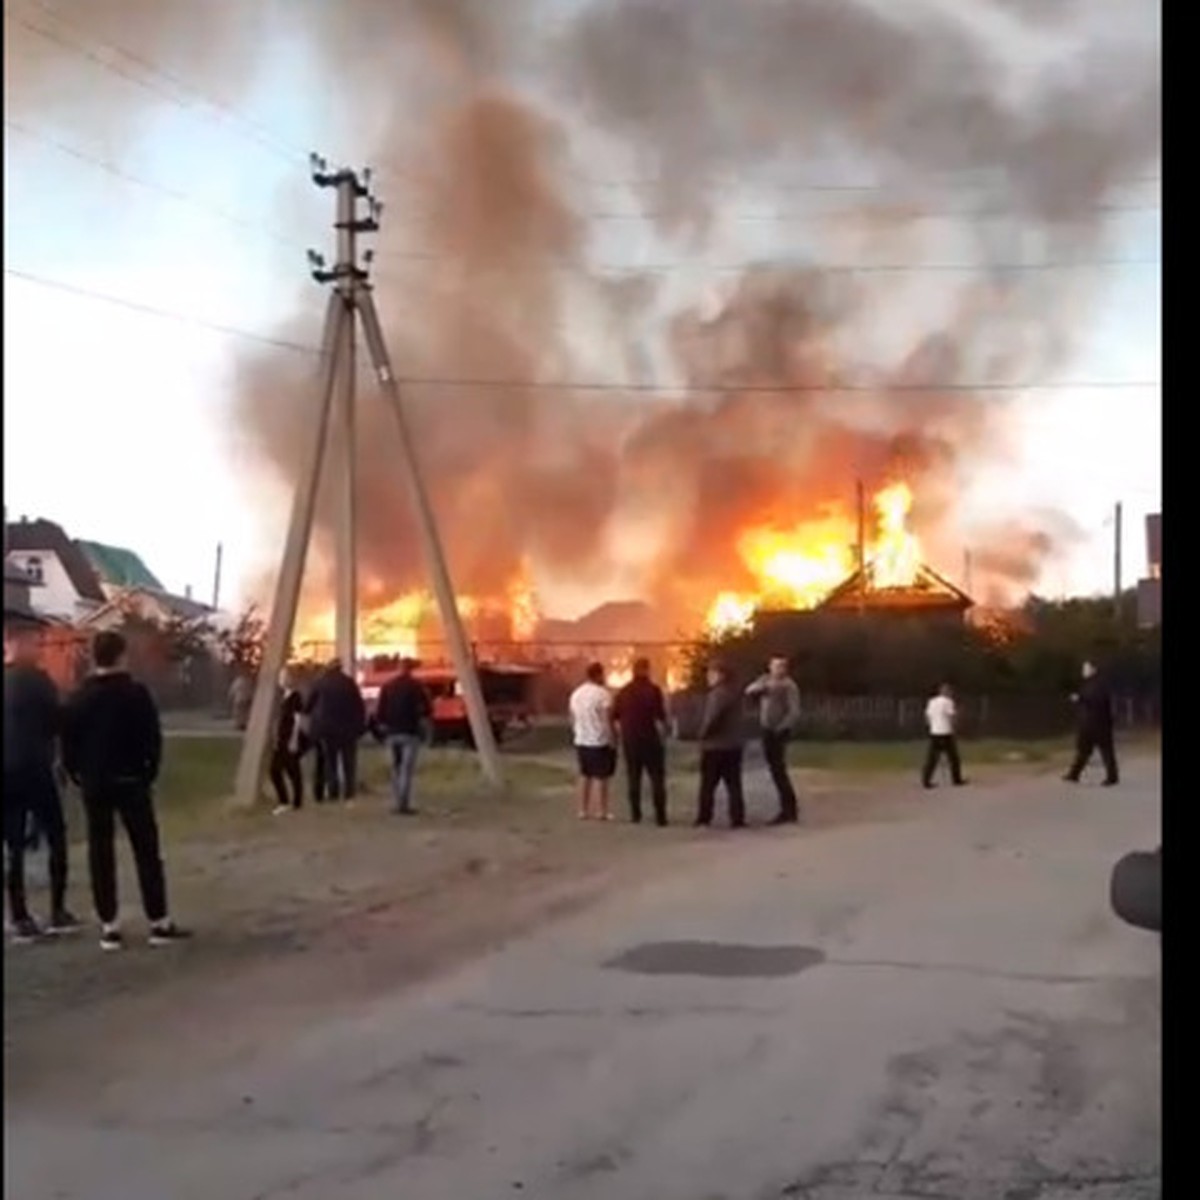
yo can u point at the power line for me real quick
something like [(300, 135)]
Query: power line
[(592, 385), (174, 194), (290, 152)]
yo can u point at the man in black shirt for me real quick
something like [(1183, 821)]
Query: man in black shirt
[(338, 719), (112, 748), (402, 720), (640, 714), (32, 718), (1095, 728)]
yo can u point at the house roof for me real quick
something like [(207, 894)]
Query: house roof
[(49, 538), (183, 608), (119, 567), (928, 590)]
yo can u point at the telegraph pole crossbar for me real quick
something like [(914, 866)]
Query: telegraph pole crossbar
[(351, 299)]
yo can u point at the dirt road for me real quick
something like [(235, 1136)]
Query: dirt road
[(941, 1006)]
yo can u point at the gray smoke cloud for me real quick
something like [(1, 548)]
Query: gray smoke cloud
[(795, 376)]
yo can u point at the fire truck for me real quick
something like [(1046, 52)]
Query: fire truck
[(507, 692)]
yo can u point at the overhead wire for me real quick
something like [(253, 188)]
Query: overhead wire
[(449, 381)]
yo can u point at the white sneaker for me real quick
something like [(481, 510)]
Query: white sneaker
[(280, 809)]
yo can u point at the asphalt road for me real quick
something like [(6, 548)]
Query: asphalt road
[(942, 1007)]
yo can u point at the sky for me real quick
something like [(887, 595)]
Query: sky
[(142, 255)]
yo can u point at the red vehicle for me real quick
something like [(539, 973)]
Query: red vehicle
[(506, 692)]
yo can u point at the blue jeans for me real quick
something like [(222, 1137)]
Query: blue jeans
[(404, 747)]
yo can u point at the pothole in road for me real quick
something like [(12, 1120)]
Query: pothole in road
[(717, 960)]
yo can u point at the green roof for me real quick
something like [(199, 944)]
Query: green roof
[(118, 567)]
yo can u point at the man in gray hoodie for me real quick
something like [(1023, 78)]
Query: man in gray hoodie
[(778, 715), (721, 748)]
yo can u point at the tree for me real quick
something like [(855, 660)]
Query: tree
[(242, 644)]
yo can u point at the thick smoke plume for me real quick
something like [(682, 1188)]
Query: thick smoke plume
[(793, 379)]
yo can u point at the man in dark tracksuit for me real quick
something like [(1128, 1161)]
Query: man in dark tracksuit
[(640, 713), (778, 700), (288, 749), (402, 720), (112, 748), (338, 719), (1095, 729), (32, 718), (721, 742)]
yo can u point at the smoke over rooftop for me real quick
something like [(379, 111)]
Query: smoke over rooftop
[(967, 136)]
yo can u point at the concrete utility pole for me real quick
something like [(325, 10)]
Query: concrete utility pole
[(216, 592), (1117, 538), (351, 297), (967, 571)]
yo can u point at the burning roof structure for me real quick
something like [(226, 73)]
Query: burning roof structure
[(926, 593)]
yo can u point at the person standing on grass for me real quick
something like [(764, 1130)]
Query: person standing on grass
[(32, 724), (941, 716), (288, 749), (112, 749), (778, 700), (1095, 729), (402, 720), (338, 719), (722, 738), (591, 708), (640, 713)]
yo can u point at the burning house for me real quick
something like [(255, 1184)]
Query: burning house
[(927, 596)]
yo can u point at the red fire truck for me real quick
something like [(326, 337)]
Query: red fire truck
[(507, 692)]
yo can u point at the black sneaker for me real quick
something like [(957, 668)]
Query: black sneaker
[(24, 932), (63, 922), (111, 939), (785, 819), (167, 934)]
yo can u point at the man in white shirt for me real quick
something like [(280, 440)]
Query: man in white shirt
[(941, 716), (591, 708)]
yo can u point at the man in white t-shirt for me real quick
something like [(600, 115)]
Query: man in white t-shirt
[(591, 708), (941, 716)]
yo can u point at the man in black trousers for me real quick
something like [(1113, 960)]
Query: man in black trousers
[(338, 720), (112, 748), (32, 718), (721, 746), (778, 701), (640, 713), (1095, 728)]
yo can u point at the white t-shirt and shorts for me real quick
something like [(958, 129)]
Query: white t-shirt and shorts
[(591, 726)]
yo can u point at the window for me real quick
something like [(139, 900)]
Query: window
[(33, 568)]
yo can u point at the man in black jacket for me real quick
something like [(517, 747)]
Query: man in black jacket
[(338, 719), (288, 749), (640, 714), (402, 719), (32, 717), (1095, 728), (112, 748)]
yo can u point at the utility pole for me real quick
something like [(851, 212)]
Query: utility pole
[(967, 571), (343, 466), (860, 545), (352, 298), (216, 593), (1117, 537)]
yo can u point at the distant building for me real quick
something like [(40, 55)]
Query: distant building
[(65, 586), (929, 597), (118, 568)]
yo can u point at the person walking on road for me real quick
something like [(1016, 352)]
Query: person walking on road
[(112, 748), (338, 719), (941, 716), (591, 707), (722, 738), (1095, 728), (778, 700), (640, 714), (402, 721), (32, 724), (286, 777)]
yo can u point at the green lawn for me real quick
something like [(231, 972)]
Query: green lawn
[(198, 771)]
